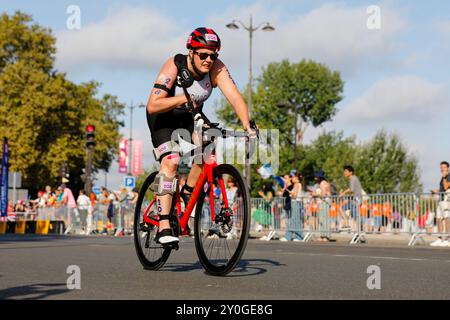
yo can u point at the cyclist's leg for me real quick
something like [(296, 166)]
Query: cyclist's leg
[(166, 182), (165, 185), (163, 129), (196, 169)]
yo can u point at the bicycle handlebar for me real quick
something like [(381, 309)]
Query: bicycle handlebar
[(200, 121)]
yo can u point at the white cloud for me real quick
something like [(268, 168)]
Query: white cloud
[(127, 38), (401, 99), (333, 34), (142, 38)]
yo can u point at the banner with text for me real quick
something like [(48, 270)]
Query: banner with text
[(123, 156), (4, 181), (137, 158)]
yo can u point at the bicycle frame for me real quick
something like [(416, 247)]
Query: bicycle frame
[(205, 176)]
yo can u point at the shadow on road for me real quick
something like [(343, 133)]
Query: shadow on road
[(33, 291), (245, 268)]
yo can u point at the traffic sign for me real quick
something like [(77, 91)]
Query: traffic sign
[(129, 182)]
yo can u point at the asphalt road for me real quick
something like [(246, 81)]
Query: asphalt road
[(36, 268)]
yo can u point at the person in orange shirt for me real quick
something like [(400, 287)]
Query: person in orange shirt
[(333, 213), (376, 213), (387, 213), (364, 213)]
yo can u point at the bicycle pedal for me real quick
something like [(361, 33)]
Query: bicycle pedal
[(172, 246)]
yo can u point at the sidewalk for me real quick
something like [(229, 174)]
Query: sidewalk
[(367, 239)]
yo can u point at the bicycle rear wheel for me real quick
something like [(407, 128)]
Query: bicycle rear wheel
[(221, 243), (151, 255)]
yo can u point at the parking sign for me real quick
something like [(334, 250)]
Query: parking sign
[(130, 182)]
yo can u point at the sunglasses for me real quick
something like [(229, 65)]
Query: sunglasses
[(204, 55)]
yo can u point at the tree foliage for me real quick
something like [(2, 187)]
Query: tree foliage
[(43, 114), (293, 83), (383, 164)]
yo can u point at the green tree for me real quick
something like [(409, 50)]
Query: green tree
[(329, 152), (294, 83), (384, 165), (43, 114)]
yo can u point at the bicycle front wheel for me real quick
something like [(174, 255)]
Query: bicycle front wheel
[(151, 255), (221, 243)]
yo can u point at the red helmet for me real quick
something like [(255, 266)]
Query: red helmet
[(203, 38)]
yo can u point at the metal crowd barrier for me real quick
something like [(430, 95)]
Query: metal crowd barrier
[(308, 217), (120, 223), (305, 218)]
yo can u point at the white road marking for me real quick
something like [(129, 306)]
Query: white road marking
[(365, 257)]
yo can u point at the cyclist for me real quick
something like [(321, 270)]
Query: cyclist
[(165, 114)]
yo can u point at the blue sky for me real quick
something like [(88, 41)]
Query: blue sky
[(396, 77)]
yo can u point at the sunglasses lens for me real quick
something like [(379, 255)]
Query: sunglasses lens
[(204, 56)]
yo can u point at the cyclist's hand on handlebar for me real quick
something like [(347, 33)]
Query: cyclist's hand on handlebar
[(251, 133), (252, 130)]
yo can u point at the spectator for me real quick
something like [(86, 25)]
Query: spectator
[(263, 215), (232, 196), (103, 208), (123, 198), (73, 215), (40, 202), (20, 207), (49, 197), (231, 191), (135, 192), (59, 196), (292, 192), (84, 204), (322, 196), (11, 211), (93, 214), (354, 200), (443, 210)]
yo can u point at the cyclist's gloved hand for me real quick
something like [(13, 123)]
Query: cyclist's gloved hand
[(251, 133), (252, 130)]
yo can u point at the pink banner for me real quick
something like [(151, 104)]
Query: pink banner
[(137, 158), (123, 156)]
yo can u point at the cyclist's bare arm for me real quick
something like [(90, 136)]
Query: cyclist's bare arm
[(158, 101), (221, 77)]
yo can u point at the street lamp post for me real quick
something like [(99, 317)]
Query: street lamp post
[(251, 29), (130, 141)]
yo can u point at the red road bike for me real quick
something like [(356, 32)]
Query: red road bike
[(221, 216)]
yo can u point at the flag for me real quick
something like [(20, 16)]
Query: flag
[(123, 156), (265, 171), (137, 158), (4, 180), (280, 181)]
